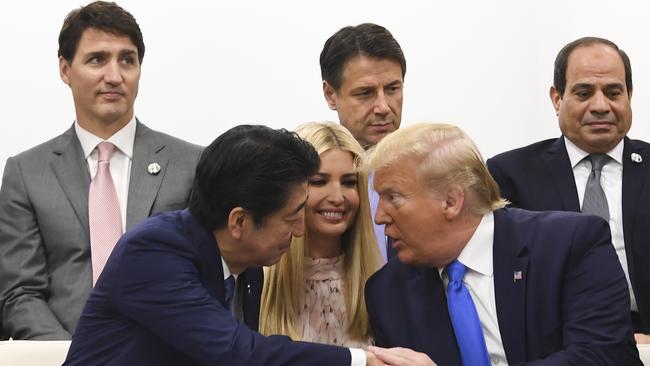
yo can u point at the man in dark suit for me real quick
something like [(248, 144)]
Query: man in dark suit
[(591, 95), (363, 70), (183, 288), (479, 284), (48, 260)]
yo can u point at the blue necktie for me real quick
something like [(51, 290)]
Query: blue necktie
[(229, 287), (464, 318)]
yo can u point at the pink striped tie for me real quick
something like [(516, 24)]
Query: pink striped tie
[(104, 215)]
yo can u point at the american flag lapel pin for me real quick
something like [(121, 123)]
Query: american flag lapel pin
[(517, 276)]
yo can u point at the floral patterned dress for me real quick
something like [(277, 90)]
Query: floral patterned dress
[(323, 317)]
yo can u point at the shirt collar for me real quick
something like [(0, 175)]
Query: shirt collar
[(122, 139), (576, 154), (226, 270), (477, 253)]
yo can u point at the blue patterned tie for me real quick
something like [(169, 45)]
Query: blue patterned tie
[(229, 287), (467, 326)]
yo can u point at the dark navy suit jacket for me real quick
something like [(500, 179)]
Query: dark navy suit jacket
[(160, 301), (570, 306), (539, 177)]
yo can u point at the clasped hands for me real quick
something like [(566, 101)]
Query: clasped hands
[(397, 356)]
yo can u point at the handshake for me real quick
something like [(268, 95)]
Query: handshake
[(397, 357)]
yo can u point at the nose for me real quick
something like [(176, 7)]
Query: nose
[(381, 217), (381, 104), (298, 229), (335, 195), (600, 104), (113, 73)]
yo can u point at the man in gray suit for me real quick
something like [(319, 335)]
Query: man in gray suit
[(47, 266)]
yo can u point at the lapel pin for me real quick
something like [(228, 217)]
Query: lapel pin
[(517, 276), (153, 169), (636, 158)]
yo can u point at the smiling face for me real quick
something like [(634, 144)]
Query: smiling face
[(103, 76), (333, 197), (369, 101), (595, 111)]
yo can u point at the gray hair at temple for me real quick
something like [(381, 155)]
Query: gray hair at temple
[(447, 157)]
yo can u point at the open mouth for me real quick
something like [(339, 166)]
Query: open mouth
[(332, 215)]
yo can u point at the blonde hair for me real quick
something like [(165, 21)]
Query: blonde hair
[(284, 282), (447, 157)]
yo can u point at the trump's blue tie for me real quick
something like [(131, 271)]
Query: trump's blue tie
[(464, 318), (229, 287)]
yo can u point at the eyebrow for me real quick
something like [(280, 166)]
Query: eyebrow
[(128, 52), (96, 54), (592, 86), (122, 53), (297, 209), (345, 175)]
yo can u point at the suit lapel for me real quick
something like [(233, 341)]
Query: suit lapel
[(510, 274), (634, 181), (208, 251), (71, 170), (253, 280), (559, 168), (428, 317), (143, 187)]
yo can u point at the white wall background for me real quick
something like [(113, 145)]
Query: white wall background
[(209, 65)]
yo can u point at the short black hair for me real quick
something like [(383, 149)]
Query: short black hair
[(253, 167), (105, 16), (365, 39), (562, 60)]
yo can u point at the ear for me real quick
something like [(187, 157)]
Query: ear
[(64, 70), (556, 99), (454, 202), (629, 95), (330, 95), (236, 222)]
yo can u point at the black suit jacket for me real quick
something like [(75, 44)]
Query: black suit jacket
[(160, 301), (539, 177), (569, 308)]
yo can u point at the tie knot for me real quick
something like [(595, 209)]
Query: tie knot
[(598, 161), (456, 271), (105, 150)]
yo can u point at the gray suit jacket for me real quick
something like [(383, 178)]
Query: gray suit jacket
[(45, 269)]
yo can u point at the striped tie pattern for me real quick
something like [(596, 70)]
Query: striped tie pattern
[(104, 217), (595, 201)]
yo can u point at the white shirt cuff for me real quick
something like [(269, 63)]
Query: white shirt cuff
[(358, 357)]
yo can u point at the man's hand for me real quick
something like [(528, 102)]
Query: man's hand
[(641, 338), (372, 360), (399, 356)]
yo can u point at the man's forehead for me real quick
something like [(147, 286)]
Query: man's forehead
[(99, 38), (362, 69), (297, 198), (595, 58), (390, 175)]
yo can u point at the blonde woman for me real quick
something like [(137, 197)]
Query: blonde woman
[(316, 292)]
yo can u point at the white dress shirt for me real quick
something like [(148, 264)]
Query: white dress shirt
[(611, 179), (120, 161), (479, 280)]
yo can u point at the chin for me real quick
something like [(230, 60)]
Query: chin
[(330, 230)]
